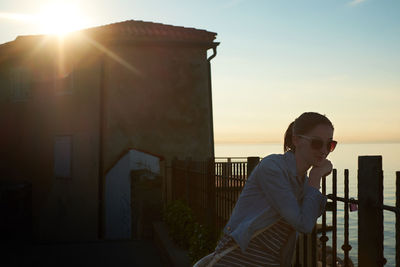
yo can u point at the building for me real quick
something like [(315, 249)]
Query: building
[(71, 107)]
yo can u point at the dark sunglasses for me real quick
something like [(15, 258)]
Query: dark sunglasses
[(318, 143)]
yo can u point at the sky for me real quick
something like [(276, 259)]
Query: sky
[(276, 58)]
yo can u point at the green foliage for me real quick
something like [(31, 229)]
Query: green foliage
[(201, 242), (179, 219), (186, 232)]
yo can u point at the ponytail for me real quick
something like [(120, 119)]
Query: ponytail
[(288, 143)]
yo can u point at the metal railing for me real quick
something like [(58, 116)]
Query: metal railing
[(212, 187), (230, 178)]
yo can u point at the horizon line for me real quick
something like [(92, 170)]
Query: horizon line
[(281, 143)]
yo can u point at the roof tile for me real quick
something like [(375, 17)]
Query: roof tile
[(137, 29)]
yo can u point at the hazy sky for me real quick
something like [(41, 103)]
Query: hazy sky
[(276, 59)]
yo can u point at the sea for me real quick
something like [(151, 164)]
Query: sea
[(344, 157)]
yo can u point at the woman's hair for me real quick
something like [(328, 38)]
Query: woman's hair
[(302, 125)]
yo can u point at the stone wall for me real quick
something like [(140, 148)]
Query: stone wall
[(161, 107)]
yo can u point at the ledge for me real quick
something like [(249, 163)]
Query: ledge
[(171, 254)]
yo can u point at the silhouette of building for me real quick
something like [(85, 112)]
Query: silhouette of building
[(71, 106)]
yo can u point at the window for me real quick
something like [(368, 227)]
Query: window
[(20, 84), (63, 156)]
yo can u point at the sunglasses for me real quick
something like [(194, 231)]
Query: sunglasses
[(317, 143)]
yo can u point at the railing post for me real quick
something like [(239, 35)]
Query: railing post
[(398, 218), (334, 217), (346, 246), (173, 183), (227, 168), (323, 237), (187, 180), (251, 164), (211, 203), (370, 212)]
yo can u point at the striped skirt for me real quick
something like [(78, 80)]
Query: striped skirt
[(263, 249)]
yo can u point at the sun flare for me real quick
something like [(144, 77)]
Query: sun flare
[(61, 18)]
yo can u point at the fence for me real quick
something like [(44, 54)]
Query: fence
[(211, 188), (194, 182)]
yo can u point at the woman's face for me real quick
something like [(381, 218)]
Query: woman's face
[(313, 156)]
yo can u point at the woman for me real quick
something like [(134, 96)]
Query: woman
[(279, 199)]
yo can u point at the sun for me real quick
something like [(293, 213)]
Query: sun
[(61, 18)]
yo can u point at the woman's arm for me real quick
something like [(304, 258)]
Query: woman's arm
[(317, 172)]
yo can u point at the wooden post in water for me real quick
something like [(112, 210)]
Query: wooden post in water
[(370, 212), (251, 164)]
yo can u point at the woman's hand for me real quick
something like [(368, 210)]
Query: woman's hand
[(317, 172)]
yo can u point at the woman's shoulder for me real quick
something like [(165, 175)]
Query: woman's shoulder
[(273, 161), (271, 168), (284, 164), (273, 158)]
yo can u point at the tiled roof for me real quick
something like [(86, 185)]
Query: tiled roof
[(141, 30), (129, 30)]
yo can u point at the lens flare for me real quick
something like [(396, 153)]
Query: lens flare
[(61, 18)]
